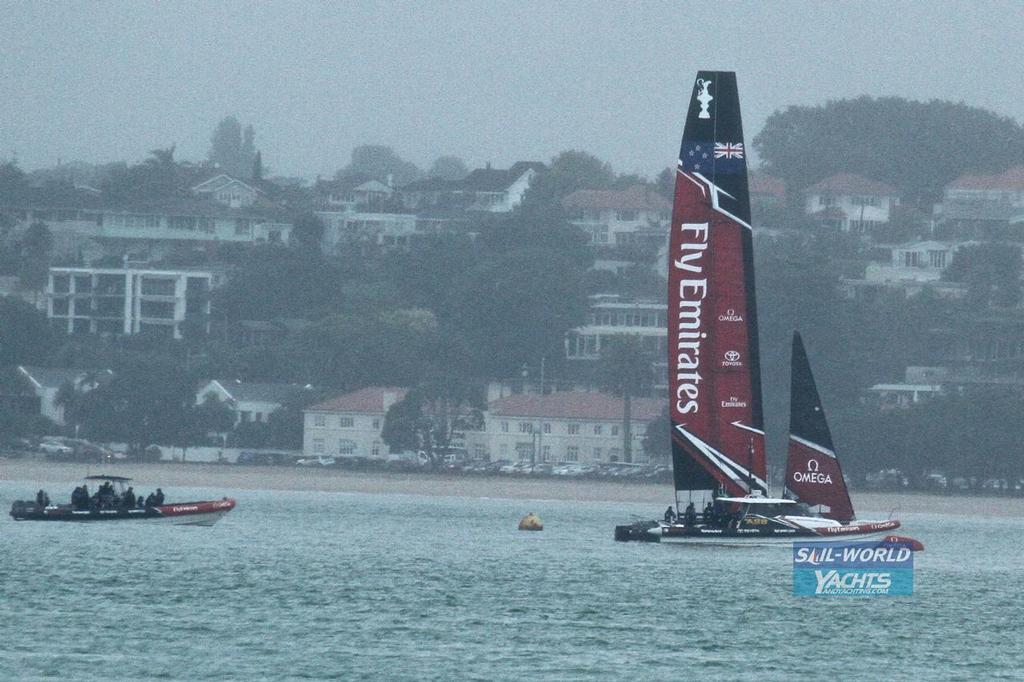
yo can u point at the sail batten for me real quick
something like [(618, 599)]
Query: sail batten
[(714, 368)]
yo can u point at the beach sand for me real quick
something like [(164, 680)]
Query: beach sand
[(233, 477)]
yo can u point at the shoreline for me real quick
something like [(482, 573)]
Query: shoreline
[(290, 478)]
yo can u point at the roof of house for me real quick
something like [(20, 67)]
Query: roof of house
[(249, 391), (574, 405), (637, 197), (1011, 179), (369, 400), (218, 181), (848, 183), (55, 377)]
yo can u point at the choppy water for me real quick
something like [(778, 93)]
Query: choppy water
[(349, 586)]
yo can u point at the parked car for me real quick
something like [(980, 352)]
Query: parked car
[(51, 447), (316, 461)]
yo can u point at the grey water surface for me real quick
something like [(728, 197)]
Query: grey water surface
[(299, 585)]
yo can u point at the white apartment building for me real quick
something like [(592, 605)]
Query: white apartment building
[(127, 300), (570, 426), (851, 203), (612, 315), (348, 226)]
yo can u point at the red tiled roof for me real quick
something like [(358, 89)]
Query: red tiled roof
[(637, 198), (766, 184), (848, 183), (1012, 179), (574, 405), (368, 400)]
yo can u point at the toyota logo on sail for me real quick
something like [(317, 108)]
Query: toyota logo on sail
[(812, 475), (731, 358)]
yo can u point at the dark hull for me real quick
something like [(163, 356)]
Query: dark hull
[(203, 513), (751, 530)]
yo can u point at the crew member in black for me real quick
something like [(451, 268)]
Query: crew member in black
[(670, 515), (150, 500), (159, 498), (42, 499), (129, 498), (690, 515), (709, 513)]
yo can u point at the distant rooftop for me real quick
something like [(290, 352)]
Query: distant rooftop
[(848, 183), (1012, 179), (370, 400), (574, 405)]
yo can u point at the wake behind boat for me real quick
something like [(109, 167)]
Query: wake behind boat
[(115, 500), (718, 440)]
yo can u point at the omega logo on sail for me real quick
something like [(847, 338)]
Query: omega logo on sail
[(812, 475), (730, 316), (692, 292)]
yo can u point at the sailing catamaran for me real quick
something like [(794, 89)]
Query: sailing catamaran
[(718, 441)]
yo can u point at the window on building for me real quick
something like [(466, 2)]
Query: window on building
[(574, 429), (525, 427), (598, 429), (346, 422), (545, 453), (547, 427), (375, 448), (572, 453), (318, 446), (346, 447), (319, 420), (615, 429), (376, 422), (504, 427)]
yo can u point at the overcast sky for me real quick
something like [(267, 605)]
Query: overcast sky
[(487, 81)]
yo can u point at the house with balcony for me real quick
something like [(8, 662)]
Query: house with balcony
[(227, 191), (125, 301), (634, 216), (983, 206), (851, 203)]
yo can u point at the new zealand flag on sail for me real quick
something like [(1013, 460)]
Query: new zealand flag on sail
[(710, 158)]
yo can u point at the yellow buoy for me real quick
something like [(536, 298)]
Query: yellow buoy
[(531, 522)]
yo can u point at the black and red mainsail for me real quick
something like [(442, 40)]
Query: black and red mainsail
[(813, 474), (714, 371)]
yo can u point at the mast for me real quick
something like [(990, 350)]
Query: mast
[(714, 366), (813, 474)]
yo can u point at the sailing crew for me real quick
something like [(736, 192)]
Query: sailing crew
[(42, 499), (158, 499), (129, 498), (670, 515), (709, 512), (690, 515)]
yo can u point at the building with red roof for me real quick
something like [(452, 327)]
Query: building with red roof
[(349, 425), (851, 203), (984, 206)]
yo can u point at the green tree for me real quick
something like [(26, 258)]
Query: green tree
[(308, 231), (232, 148), (918, 147), (625, 370), (515, 308), (25, 336), (992, 272), (380, 163), (568, 171), (658, 438), (448, 168)]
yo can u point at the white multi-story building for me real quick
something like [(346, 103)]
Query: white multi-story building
[(348, 226), (349, 425), (637, 215), (851, 203), (127, 300), (570, 426), (485, 189), (154, 228), (612, 316)]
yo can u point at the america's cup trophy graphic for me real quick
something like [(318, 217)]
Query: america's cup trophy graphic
[(704, 97)]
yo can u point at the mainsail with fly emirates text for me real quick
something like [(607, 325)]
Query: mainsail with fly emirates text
[(714, 371)]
